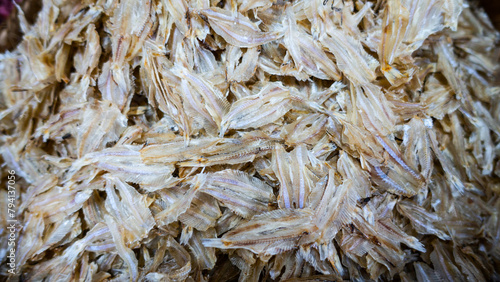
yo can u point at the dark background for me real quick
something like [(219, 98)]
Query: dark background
[(492, 7)]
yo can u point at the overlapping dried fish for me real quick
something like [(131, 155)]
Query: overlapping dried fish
[(305, 140), (243, 194)]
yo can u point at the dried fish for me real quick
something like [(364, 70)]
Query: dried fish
[(295, 187), (125, 163), (243, 194), (306, 53), (125, 253), (351, 58), (268, 233), (102, 122), (182, 201), (303, 140), (130, 211), (202, 214), (236, 151), (272, 102), (237, 29)]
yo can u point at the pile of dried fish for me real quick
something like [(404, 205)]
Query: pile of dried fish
[(259, 140)]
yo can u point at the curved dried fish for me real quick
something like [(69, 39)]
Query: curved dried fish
[(237, 29)]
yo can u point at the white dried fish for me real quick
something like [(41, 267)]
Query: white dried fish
[(269, 233), (306, 53), (125, 163), (202, 96), (101, 123), (352, 60), (272, 102), (67, 262), (237, 29), (243, 194), (130, 212), (202, 214), (245, 70), (296, 186), (125, 253), (307, 129), (181, 203), (236, 151), (59, 202), (205, 257), (255, 140), (175, 151), (31, 231), (422, 220)]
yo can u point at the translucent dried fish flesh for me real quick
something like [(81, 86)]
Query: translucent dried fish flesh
[(243, 194), (303, 140), (270, 104), (306, 53), (268, 233), (237, 29)]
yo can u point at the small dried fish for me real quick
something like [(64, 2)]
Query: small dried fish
[(303, 140), (422, 220), (125, 163), (101, 123), (125, 253), (307, 129), (306, 53), (235, 151), (237, 29), (176, 151), (131, 208), (205, 257), (272, 102), (202, 214), (182, 201), (245, 70), (202, 96), (240, 192), (352, 60), (295, 187), (268, 233)]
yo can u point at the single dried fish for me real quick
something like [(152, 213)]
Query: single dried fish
[(243, 194), (237, 29), (352, 60), (272, 102), (269, 233), (202, 214)]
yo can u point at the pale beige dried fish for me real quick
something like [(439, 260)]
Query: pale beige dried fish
[(306, 53), (244, 195), (202, 214), (125, 163), (246, 69), (253, 140), (270, 104), (130, 211), (351, 58), (179, 201), (268, 233), (237, 29)]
